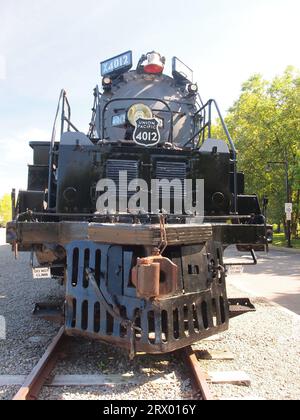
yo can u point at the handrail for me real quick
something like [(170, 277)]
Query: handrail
[(68, 118), (207, 123), (53, 136), (63, 103), (235, 181), (200, 110), (94, 124), (224, 125)]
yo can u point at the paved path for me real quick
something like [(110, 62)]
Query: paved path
[(276, 277)]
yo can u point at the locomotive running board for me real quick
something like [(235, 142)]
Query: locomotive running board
[(30, 233)]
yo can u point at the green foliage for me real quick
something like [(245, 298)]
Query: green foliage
[(296, 170), (280, 240), (5, 210), (265, 124)]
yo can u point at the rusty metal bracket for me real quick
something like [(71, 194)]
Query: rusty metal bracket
[(155, 277)]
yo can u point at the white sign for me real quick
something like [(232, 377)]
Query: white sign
[(235, 269), (41, 273), (288, 207), (288, 211)]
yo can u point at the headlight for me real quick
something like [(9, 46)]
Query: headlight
[(192, 88), (137, 111), (155, 63), (106, 83)]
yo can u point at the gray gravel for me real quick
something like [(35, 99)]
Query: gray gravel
[(265, 344), (18, 293)]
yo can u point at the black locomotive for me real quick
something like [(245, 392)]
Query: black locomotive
[(147, 277)]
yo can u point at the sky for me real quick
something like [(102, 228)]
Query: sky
[(46, 45)]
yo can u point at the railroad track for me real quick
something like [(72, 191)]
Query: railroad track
[(42, 371), (36, 379), (198, 377)]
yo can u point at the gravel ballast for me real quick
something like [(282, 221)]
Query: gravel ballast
[(265, 344)]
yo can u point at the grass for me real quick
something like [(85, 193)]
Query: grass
[(279, 240)]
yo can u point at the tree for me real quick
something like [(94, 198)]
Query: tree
[(265, 124), (5, 209)]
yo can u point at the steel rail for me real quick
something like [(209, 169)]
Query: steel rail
[(35, 380), (41, 372), (198, 376)]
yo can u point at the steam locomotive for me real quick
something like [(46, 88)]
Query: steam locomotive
[(119, 218)]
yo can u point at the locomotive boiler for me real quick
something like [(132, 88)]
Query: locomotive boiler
[(133, 217)]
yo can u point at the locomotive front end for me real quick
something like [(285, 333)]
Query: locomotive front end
[(133, 218)]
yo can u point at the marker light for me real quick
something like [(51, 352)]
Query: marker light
[(137, 111), (192, 88), (106, 82), (155, 63)]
